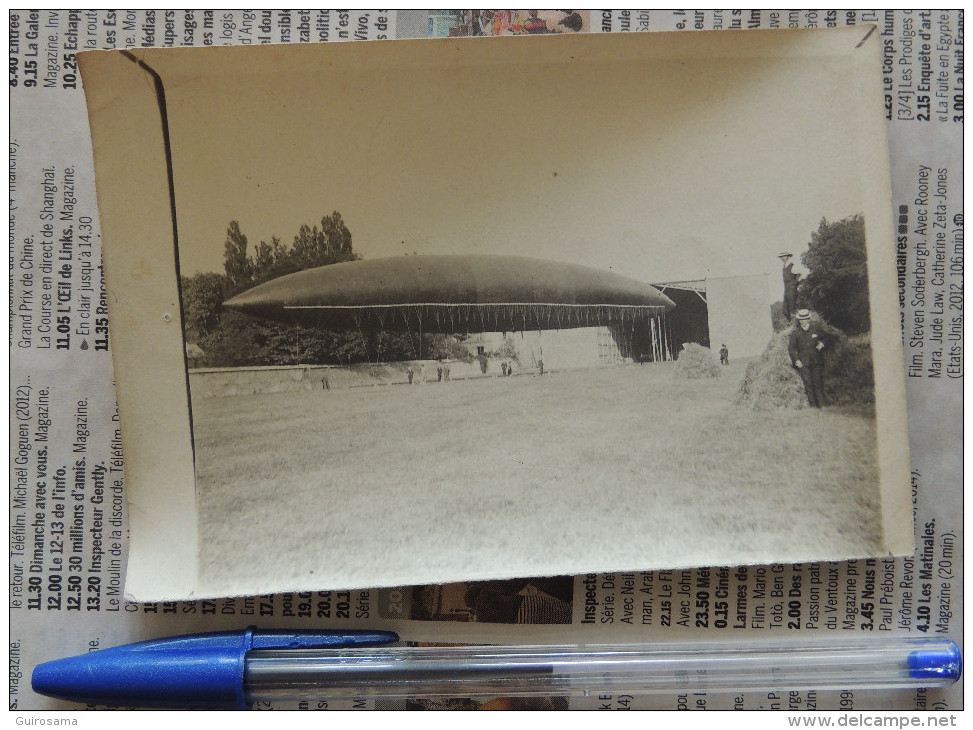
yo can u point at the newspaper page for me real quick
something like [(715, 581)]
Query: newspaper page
[(69, 515)]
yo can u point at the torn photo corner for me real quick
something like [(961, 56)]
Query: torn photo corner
[(412, 312)]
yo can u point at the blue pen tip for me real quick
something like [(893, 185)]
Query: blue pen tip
[(201, 670), (46, 679), (942, 663)]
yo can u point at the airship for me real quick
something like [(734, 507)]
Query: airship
[(453, 293)]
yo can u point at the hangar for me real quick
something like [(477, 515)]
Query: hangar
[(730, 310)]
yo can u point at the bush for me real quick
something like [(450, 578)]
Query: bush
[(837, 281), (507, 350), (850, 377), (696, 361)]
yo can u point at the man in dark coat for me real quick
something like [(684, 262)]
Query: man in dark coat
[(790, 285), (805, 346)]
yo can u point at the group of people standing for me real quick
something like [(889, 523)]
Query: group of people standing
[(507, 368), (442, 373)]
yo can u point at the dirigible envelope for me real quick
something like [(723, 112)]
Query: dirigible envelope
[(469, 293)]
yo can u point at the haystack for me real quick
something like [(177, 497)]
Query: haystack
[(696, 361), (771, 381)]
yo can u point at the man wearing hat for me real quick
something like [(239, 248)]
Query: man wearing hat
[(790, 284), (805, 346)]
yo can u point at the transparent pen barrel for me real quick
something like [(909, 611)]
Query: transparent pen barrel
[(470, 671)]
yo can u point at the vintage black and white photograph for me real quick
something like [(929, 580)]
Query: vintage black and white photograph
[(468, 310)]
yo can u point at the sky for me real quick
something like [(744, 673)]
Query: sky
[(658, 161)]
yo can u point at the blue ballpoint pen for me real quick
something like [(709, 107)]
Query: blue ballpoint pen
[(236, 669)]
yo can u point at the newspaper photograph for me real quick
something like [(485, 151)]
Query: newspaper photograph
[(458, 23), (72, 507)]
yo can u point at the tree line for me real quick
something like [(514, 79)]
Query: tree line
[(229, 339)]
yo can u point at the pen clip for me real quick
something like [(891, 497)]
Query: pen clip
[(315, 639)]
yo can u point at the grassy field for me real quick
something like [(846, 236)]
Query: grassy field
[(617, 468)]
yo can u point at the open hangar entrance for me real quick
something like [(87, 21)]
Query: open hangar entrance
[(730, 310)]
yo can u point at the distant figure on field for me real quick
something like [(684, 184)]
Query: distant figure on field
[(445, 372), (439, 373), (790, 285), (510, 368), (724, 355), (540, 367), (503, 368), (412, 374), (325, 385), (805, 345)]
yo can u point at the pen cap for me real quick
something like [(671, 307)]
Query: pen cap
[(199, 670)]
